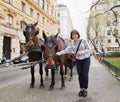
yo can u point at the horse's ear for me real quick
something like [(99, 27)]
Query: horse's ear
[(56, 35), (44, 36), (37, 31), (24, 32), (35, 23)]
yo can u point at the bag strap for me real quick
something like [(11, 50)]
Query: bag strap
[(78, 46)]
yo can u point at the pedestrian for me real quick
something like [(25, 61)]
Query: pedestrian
[(81, 49), (3, 59)]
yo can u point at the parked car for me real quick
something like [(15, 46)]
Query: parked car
[(24, 59)]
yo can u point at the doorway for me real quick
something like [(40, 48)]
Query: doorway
[(7, 47)]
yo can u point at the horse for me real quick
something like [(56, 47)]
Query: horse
[(70, 60), (22, 48), (70, 63), (52, 44), (33, 46)]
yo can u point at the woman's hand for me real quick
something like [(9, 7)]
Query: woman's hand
[(78, 53), (57, 54)]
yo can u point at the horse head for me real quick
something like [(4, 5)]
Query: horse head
[(30, 34), (50, 49)]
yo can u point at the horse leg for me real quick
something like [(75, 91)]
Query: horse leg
[(41, 75), (56, 67), (65, 76), (46, 71), (53, 78), (71, 74), (62, 78), (32, 77)]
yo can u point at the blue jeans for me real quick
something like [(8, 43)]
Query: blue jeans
[(83, 72)]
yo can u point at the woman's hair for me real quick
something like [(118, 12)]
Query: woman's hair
[(74, 31)]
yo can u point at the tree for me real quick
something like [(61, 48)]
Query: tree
[(104, 14)]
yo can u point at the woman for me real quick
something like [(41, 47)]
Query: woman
[(82, 60)]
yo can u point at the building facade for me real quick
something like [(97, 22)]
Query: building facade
[(102, 23), (15, 14), (64, 21)]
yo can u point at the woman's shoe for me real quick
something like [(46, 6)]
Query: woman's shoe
[(85, 93), (80, 93)]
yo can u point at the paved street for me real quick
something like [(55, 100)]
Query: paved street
[(103, 87)]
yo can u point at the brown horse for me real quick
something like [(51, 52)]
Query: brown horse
[(70, 63), (52, 44), (22, 48), (70, 60), (33, 45)]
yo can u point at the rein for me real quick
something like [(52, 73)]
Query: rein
[(34, 50)]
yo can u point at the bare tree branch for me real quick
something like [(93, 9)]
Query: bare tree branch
[(91, 6), (111, 9), (101, 13)]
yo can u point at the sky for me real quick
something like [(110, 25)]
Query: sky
[(76, 9)]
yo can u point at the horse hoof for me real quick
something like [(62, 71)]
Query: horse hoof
[(65, 76), (70, 78), (51, 88), (41, 86), (31, 86), (56, 71), (46, 77), (63, 87)]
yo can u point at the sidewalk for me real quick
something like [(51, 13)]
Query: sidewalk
[(103, 87), (4, 68)]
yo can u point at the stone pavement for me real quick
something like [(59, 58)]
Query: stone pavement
[(103, 87)]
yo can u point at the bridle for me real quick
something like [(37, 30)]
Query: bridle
[(49, 44), (30, 30)]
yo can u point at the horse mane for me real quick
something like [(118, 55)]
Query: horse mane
[(38, 42), (61, 43), (62, 39)]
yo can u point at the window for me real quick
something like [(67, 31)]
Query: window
[(23, 6), (55, 14), (114, 3), (116, 40), (9, 20), (38, 16), (115, 23), (48, 22), (108, 32), (58, 22), (43, 4), (31, 12), (116, 31), (108, 23), (43, 20), (109, 40), (38, 2), (9, 1), (58, 29), (108, 48), (58, 14), (107, 5), (96, 42), (47, 8), (22, 25)]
